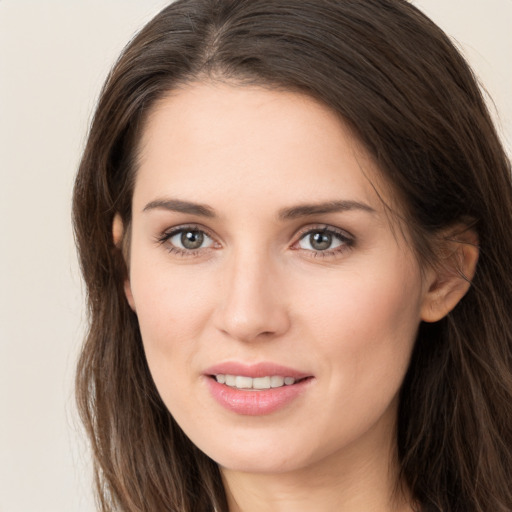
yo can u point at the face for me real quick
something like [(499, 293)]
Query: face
[(277, 305)]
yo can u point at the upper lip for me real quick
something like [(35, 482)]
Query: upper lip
[(262, 369)]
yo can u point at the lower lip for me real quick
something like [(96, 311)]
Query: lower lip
[(256, 403)]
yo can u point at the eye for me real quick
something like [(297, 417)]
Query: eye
[(190, 239), (186, 240), (324, 240)]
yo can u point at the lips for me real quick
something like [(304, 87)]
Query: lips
[(254, 370), (258, 389)]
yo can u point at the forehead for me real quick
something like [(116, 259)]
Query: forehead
[(210, 141)]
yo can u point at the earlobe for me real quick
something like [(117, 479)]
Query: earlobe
[(117, 230), (118, 235), (451, 280), (128, 294)]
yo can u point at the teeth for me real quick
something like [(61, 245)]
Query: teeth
[(242, 382), (276, 381), (261, 383)]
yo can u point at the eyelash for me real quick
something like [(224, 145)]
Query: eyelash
[(165, 237), (346, 241)]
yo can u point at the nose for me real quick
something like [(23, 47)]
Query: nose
[(252, 302)]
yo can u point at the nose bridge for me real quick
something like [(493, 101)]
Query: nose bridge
[(252, 303)]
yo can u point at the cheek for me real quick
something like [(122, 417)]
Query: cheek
[(169, 324), (172, 310), (366, 325), (168, 298)]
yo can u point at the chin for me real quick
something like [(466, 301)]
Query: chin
[(263, 454), (260, 464)]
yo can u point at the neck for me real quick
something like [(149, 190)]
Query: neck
[(360, 478)]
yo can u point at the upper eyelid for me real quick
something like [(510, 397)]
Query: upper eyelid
[(169, 232), (326, 228)]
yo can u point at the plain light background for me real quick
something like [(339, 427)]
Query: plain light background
[(54, 56)]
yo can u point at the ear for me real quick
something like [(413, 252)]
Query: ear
[(118, 236), (449, 281)]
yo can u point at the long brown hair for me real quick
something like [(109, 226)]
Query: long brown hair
[(398, 81)]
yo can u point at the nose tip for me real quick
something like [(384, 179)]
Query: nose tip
[(252, 305), (253, 326)]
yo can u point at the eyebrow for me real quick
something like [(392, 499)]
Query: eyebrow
[(177, 205), (294, 212), (308, 210)]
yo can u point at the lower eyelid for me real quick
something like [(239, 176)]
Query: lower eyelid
[(338, 252), (182, 252)]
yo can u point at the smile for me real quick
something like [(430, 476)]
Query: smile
[(256, 383), (256, 389)]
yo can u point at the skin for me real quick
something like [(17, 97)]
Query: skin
[(258, 290)]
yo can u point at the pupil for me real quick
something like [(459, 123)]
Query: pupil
[(192, 239), (321, 241)]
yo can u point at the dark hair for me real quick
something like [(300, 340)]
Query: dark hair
[(400, 84)]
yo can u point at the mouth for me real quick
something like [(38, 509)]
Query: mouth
[(246, 383), (256, 389)]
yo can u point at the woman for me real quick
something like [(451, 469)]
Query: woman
[(294, 224)]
